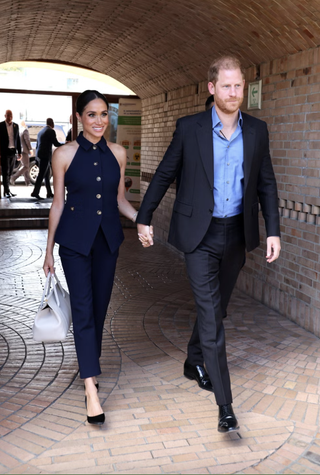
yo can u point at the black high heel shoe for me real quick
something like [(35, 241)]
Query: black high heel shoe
[(97, 420)]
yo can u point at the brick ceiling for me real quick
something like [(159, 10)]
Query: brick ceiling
[(153, 46)]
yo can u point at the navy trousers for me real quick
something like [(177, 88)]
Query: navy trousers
[(213, 269), (90, 280)]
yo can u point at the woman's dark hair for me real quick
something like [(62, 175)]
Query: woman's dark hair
[(86, 97)]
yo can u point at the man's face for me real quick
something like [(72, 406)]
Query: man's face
[(228, 90), (8, 116)]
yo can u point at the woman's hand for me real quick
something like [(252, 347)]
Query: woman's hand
[(145, 234), (48, 265)]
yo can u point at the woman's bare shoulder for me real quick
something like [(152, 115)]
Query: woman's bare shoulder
[(64, 155), (118, 151), (67, 150)]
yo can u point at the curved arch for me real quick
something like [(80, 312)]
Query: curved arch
[(158, 46)]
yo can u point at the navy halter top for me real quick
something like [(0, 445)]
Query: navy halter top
[(92, 181)]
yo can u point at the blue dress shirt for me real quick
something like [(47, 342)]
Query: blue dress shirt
[(228, 169)]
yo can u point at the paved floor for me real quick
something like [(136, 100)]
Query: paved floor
[(156, 420)]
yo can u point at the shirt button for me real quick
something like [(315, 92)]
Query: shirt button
[(98, 178), (95, 164), (227, 199), (228, 182), (98, 196), (72, 208), (99, 212), (94, 147)]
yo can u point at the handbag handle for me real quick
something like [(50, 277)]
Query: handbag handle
[(53, 280), (46, 289), (56, 282)]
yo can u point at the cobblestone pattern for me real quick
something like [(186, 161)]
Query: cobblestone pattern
[(156, 420)]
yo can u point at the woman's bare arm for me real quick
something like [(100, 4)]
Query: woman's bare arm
[(61, 160)]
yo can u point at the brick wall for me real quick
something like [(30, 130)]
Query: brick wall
[(291, 107)]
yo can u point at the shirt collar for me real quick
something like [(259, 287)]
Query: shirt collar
[(86, 144), (216, 121)]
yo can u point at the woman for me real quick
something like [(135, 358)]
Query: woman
[(87, 227)]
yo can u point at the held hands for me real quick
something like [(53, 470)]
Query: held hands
[(145, 234), (273, 248)]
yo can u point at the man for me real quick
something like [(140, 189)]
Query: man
[(223, 161), (69, 134), (9, 146), (45, 139)]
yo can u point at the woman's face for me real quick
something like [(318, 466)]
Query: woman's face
[(94, 120)]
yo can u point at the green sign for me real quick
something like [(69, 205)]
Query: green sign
[(129, 120), (254, 95)]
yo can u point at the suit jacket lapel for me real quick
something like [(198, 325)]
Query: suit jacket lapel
[(205, 143), (248, 134)]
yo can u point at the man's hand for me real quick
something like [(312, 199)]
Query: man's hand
[(145, 234), (273, 248), (19, 156)]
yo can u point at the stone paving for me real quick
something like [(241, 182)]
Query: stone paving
[(157, 421)]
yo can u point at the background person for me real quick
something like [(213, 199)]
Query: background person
[(209, 102), (222, 156), (25, 156), (9, 146), (45, 140), (89, 232), (69, 134)]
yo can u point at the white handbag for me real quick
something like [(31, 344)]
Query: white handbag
[(53, 318)]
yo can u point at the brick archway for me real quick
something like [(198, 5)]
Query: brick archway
[(154, 47)]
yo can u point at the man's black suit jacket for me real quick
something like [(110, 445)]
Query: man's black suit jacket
[(190, 157), (45, 139), (4, 138)]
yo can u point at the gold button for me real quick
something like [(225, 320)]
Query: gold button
[(99, 212), (94, 147), (98, 196), (72, 208), (98, 178), (95, 164)]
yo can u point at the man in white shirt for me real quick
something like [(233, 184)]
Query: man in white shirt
[(9, 145)]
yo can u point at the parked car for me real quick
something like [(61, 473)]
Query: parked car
[(34, 128)]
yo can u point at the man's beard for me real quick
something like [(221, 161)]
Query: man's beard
[(228, 107)]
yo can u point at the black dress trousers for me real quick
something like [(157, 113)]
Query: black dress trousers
[(213, 268)]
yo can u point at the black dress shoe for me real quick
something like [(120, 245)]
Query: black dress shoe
[(97, 420), (12, 194), (51, 195), (227, 419), (37, 197), (7, 195), (199, 374)]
